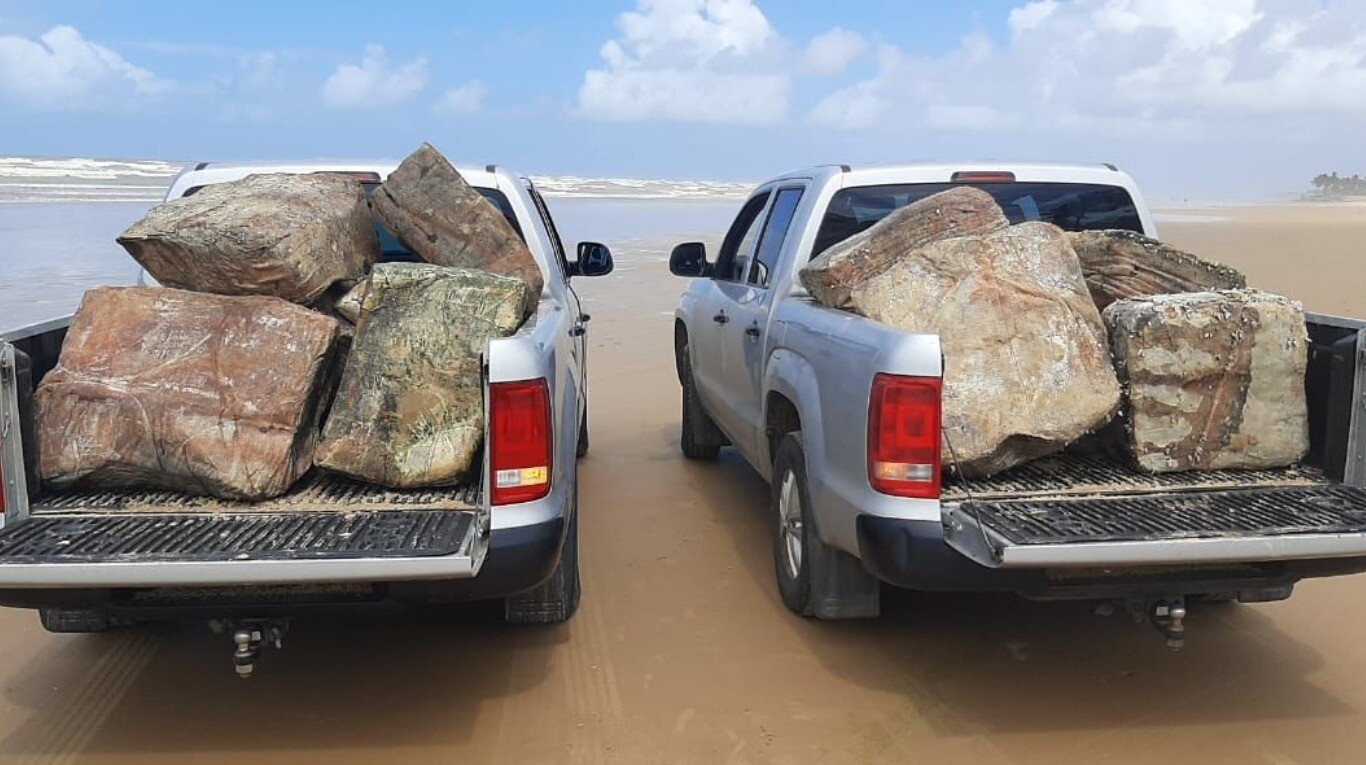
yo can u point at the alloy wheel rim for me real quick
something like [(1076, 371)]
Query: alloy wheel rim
[(790, 516)]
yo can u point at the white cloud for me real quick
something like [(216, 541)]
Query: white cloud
[(375, 83), (63, 70), (713, 61), (832, 52), (1172, 68), (462, 100)]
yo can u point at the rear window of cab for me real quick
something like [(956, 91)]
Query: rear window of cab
[(1069, 206)]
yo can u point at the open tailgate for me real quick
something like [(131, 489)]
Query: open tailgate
[(1219, 526), (158, 549)]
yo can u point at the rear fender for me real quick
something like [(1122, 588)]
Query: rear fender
[(791, 375)]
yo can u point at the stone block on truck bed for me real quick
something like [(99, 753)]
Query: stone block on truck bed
[(204, 394), (1215, 380), (960, 211), (1026, 367), (433, 212), (1125, 264), (283, 235), (410, 409)]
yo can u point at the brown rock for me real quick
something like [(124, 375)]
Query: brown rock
[(348, 306), (433, 212), (287, 236), (960, 211), (1215, 379), (1125, 264), (410, 409), (197, 393), (1026, 364)]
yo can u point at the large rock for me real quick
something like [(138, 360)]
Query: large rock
[(960, 211), (1026, 368), (433, 212), (1123, 264), (283, 235), (410, 409), (1215, 379), (198, 393)]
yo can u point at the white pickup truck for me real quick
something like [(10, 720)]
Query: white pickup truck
[(806, 394), (97, 557)]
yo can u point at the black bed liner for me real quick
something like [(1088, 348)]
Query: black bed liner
[(1275, 511), (152, 537), (314, 493)]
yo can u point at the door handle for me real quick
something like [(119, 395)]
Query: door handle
[(720, 318), (577, 330), (753, 331), (584, 318)]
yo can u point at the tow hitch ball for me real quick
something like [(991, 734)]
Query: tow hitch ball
[(1168, 615), (248, 638)]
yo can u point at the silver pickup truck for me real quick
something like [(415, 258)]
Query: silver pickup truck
[(800, 389), (97, 557)]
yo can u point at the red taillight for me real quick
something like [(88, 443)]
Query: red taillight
[(983, 176), (903, 436), (519, 441)]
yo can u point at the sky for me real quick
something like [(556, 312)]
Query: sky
[(1200, 99)]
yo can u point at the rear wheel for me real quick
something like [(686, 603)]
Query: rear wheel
[(583, 432), (814, 578), (791, 527), (556, 599), (700, 439)]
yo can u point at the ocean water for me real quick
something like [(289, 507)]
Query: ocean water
[(59, 219)]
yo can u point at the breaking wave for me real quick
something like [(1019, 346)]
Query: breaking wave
[(80, 179)]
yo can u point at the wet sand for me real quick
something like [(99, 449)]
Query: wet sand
[(682, 651)]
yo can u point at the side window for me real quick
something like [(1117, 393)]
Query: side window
[(550, 227), (775, 233), (738, 247)]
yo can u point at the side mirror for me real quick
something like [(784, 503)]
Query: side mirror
[(594, 260), (689, 260)]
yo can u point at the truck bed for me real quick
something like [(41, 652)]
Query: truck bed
[(316, 492), (1079, 475)]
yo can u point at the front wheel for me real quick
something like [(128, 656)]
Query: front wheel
[(699, 438)]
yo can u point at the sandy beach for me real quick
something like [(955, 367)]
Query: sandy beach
[(683, 652), (1310, 251)]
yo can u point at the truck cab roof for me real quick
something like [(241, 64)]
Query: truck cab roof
[(942, 172), (206, 173)]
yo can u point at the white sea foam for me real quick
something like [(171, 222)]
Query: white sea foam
[(75, 179), (85, 168), (638, 188)]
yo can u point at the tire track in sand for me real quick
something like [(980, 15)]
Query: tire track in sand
[(70, 723)]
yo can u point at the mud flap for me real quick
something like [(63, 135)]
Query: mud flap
[(840, 587)]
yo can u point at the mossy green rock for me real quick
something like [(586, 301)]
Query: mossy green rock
[(410, 409)]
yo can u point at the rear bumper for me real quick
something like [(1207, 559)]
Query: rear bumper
[(914, 555)]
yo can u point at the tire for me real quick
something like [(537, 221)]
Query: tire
[(556, 599), (582, 448), (790, 511), (814, 579), (699, 438)]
